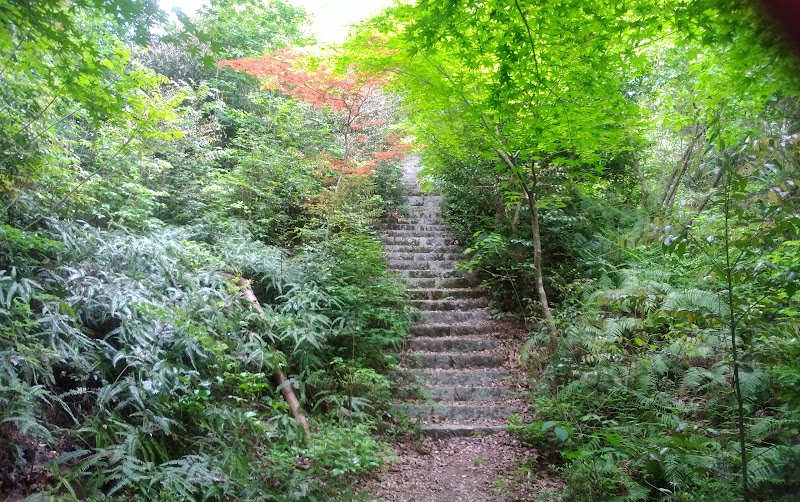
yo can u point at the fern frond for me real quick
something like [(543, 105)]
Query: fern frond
[(698, 301)]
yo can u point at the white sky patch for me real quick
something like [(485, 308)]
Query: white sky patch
[(188, 7), (330, 19)]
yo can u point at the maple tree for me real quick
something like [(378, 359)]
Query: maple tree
[(358, 104)]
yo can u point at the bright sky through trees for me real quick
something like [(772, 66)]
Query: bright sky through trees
[(330, 19)]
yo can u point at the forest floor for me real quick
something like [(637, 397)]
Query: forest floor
[(464, 469)]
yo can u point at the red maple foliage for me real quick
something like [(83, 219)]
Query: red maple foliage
[(356, 98)]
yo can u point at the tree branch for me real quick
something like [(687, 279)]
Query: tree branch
[(280, 377)]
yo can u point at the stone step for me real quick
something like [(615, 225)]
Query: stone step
[(466, 429), (439, 265), (418, 273), (481, 377), (448, 316), (423, 256), (406, 225), (432, 207), (422, 218), (444, 293), (423, 272), (415, 233), (413, 200), (451, 344), (440, 282), (444, 304), (425, 213), (403, 248), (430, 210), (454, 330), (417, 241), (460, 411), (454, 393), (452, 360), (421, 207)]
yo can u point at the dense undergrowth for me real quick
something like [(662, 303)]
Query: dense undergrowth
[(652, 153), (144, 196)]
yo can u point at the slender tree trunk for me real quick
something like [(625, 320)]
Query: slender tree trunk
[(280, 377), (714, 185), (733, 321), (677, 174), (703, 203), (515, 221), (530, 195), (331, 209), (345, 160), (499, 210)]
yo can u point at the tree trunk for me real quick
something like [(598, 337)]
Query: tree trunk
[(680, 170), (499, 210), (714, 186), (530, 195), (280, 377), (515, 221)]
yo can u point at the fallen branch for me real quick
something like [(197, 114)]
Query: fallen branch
[(280, 377)]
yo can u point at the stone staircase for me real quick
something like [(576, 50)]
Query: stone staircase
[(454, 374)]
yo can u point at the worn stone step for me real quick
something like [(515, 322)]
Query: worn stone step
[(428, 282), (420, 218), (444, 293), (421, 207), (467, 429), (425, 206), (417, 240), (423, 256), (417, 225), (402, 248), (438, 265), (440, 282), (434, 201), (451, 344), (454, 393), (431, 208), (425, 215), (418, 273), (459, 411), (432, 329), (424, 198), (452, 360), (447, 316), (483, 377), (413, 232), (446, 304), (419, 214)]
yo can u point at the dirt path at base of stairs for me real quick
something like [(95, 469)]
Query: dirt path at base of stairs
[(464, 469)]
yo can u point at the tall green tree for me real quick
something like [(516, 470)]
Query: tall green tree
[(250, 28), (538, 86)]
